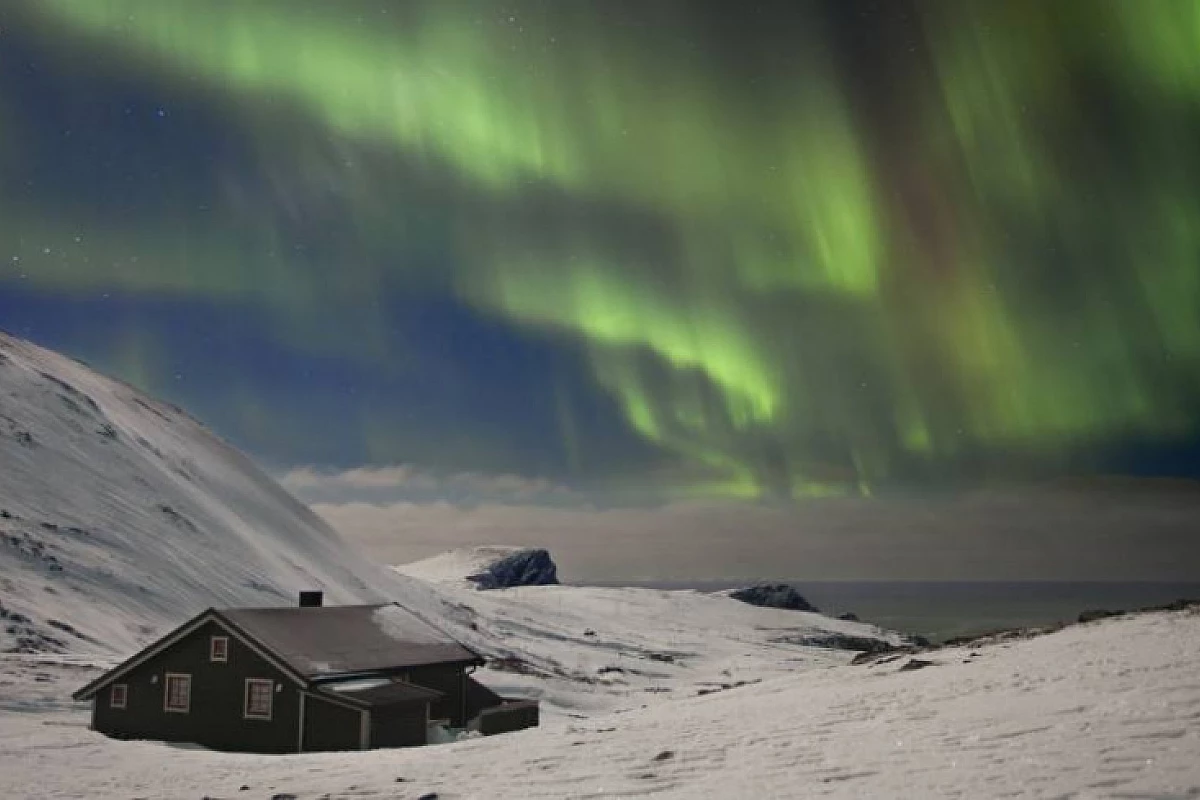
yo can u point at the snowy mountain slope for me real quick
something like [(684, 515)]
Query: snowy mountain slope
[(587, 649), (121, 516), (1105, 710)]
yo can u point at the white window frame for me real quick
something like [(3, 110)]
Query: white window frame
[(167, 693), (270, 685), (212, 649), (112, 695)]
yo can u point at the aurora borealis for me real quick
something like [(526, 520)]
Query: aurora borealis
[(670, 248)]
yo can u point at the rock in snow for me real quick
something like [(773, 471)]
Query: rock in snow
[(1091, 615), (773, 595), (487, 567), (522, 568), (842, 641)]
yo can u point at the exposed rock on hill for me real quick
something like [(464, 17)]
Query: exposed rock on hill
[(523, 568), (773, 595), (490, 567)]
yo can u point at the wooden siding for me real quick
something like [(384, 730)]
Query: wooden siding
[(450, 680), (514, 715), (399, 725), (215, 715), (479, 698), (329, 726)]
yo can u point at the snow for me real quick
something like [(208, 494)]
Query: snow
[(398, 624), (587, 649), (355, 684), (1109, 709), (122, 517)]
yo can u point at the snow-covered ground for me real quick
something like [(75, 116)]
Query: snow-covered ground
[(120, 517), (605, 649), (1109, 709)]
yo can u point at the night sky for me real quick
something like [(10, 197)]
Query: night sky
[(635, 252)]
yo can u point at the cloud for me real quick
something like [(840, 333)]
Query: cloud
[(403, 482), (1031, 535), (309, 478)]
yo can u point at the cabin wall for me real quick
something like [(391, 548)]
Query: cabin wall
[(329, 726), (479, 697), (402, 725), (215, 717), (514, 715), (450, 680)]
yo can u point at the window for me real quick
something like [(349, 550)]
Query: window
[(177, 695), (259, 692), (218, 648), (118, 695)]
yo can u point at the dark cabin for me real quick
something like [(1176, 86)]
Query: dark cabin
[(302, 679)]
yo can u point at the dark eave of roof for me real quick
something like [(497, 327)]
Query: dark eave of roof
[(391, 694)]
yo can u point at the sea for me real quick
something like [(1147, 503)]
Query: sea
[(943, 610)]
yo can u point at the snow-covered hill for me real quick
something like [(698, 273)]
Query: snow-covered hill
[(590, 649), (121, 516), (1105, 710)]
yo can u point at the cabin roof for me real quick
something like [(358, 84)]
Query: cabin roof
[(331, 640)]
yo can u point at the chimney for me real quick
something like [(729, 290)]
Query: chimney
[(311, 599)]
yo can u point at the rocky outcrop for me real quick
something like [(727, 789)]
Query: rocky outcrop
[(773, 595), (1182, 604), (532, 567), (841, 641)]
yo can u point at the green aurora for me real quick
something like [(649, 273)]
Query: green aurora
[(797, 269)]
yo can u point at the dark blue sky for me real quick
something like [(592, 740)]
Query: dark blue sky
[(557, 242)]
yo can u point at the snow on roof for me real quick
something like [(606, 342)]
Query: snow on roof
[(332, 640), (397, 623)]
